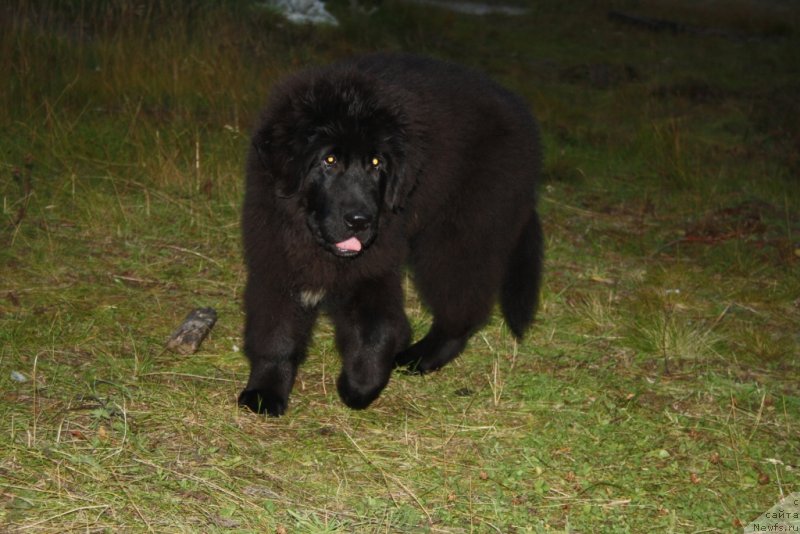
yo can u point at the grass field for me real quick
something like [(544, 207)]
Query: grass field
[(657, 392)]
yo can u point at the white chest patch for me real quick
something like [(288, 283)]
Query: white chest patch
[(310, 298)]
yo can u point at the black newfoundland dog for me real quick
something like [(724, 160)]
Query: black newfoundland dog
[(366, 166)]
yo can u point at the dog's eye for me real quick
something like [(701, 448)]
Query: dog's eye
[(375, 162), (330, 160)]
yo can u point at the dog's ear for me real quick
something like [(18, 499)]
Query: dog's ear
[(259, 147), (398, 186), (403, 174), (271, 151)]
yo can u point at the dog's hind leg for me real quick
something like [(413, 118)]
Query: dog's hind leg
[(432, 352), (460, 293), (460, 266)]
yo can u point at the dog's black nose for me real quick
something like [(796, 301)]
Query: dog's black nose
[(357, 221)]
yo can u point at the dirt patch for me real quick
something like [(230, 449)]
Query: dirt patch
[(776, 114), (696, 91), (763, 225), (743, 220), (599, 75)]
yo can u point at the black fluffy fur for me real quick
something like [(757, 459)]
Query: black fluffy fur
[(359, 169)]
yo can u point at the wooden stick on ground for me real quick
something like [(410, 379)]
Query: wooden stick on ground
[(186, 339)]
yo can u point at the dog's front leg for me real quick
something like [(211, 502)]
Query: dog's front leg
[(277, 329), (371, 327)]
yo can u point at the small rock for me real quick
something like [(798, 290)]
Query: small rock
[(303, 11), (18, 377)]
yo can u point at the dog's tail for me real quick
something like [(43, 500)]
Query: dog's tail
[(519, 296)]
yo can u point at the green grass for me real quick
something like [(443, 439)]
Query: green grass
[(657, 392)]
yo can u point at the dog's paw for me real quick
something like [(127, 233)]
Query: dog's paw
[(429, 354), (409, 358), (414, 362), (357, 396), (421, 366), (262, 401)]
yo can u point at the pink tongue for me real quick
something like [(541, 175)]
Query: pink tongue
[(351, 244)]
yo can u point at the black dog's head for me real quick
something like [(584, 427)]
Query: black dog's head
[(335, 142), (344, 199)]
